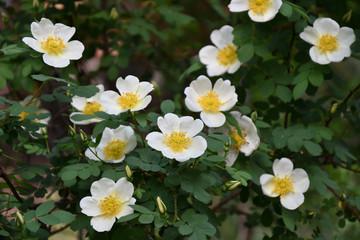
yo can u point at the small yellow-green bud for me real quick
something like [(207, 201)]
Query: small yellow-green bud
[(114, 14), (43, 131), (35, 3), (83, 136), (161, 206), (226, 149), (254, 116), (4, 18), (231, 185), (156, 88), (333, 107), (19, 218), (312, 214), (71, 131), (128, 173), (347, 16), (343, 197)]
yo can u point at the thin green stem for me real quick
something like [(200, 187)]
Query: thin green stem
[(37, 92), (138, 130), (11, 158)]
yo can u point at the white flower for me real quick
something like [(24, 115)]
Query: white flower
[(331, 43), (177, 138), (108, 201), (287, 183), (247, 143), (211, 102), (87, 106), (222, 57), (53, 41), (133, 96), (258, 10), (114, 144)]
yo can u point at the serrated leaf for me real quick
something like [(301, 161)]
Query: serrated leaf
[(245, 53), (140, 209), (49, 219), (316, 78), (44, 208), (313, 148), (43, 78), (146, 218), (128, 217), (300, 89), (185, 230), (63, 216), (286, 10), (167, 106), (284, 93)]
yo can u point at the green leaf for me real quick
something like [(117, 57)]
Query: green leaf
[(196, 65), (284, 93), (167, 106), (33, 226), (300, 89), (84, 91), (289, 219), (173, 16), (81, 221), (13, 49), (286, 10), (69, 175), (245, 53), (313, 148), (63, 216), (146, 218), (316, 78), (140, 209), (49, 219), (141, 119), (81, 117), (43, 78), (267, 217), (295, 143), (4, 233), (185, 230), (128, 217), (44, 208)]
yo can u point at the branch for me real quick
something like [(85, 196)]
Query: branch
[(225, 200), (11, 186), (345, 167), (60, 229)]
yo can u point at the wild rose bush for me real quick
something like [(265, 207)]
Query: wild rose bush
[(180, 120)]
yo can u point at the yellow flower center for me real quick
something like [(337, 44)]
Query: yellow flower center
[(128, 100), (23, 115), (177, 141), (239, 140), (115, 149), (328, 43), (210, 101), (283, 185), (53, 45), (110, 206), (259, 7), (91, 107), (227, 55)]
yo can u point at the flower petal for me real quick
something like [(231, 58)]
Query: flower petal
[(90, 206), (191, 100), (33, 43), (224, 89), (102, 224), (234, 67), (196, 148), (191, 126), (201, 85), (42, 29), (339, 54), (127, 85), (346, 36), (73, 50), (100, 189), (282, 167), (310, 35), (109, 102), (326, 25), (222, 37), (238, 5), (231, 156), (301, 180), (64, 32), (55, 61), (124, 189), (156, 141), (292, 201), (126, 210), (215, 69), (83, 122), (169, 123), (143, 103), (212, 119), (91, 155), (208, 54), (144, 89), (318, 56), (267, 16), (268, 185), (78, 102)]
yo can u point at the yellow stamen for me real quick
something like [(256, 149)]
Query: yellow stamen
[(227, 55), (328, 43), (23, 115), (283, 185), (115, 149), (110, 205), (259, 7), (128, 100), (91, 107), (53, 45), (239, 140), (210, 101), (177, 141)]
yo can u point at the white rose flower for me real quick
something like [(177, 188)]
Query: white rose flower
[(258, 10), (211, 102), (177, 139), (133, 96), (87, 106), (114, 145), (287, 183), (331, 43), (108, 201), (53, 41), (247, 143), (222, 57)]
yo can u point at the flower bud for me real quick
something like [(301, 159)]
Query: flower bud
[(226, 149), (347, 16), (43, 131), (128, 173), (71, 131), (35, 3), (333, 107), (114, 14), (19, 219), (4, 18), (254, 116), (312, 214), (231, 185), (161, 206), (83, 136), (343, 197)]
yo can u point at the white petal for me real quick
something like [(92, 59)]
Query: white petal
[(91, 155), (234, 67), (301, 180), (156, 141), (42, 29), (197, 147), (268, 185), (267, 16), (124, 189), (238, 5), (90, 206), (326, 25), (318, 56), (33, 43), (201, 85), (212, 119), (100, 189), (339, 54), (73, 50), (215, 69), (231, 156), (224, 89), (102, 224), (282, 167), (310, 35), (208, 54), (78, 102), (191, 100), (143, 103), (119, 160), (64, 32), (144, 89), (346, 36), (229, 104), (127, 85), (131, 144), (292, 201), (126, 210), (107, 136), (170, 123), (109, 102), (55, 61), (222, 37), (191, 126)]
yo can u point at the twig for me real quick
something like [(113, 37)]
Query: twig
[(225, 200), (342, 166), (11, 186), (60, 229)]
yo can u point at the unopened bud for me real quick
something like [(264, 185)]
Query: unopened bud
[(1, 151), (347, 16), (161, 206), (343, 197), (231, 185), (128, 173), (19, 217), (333, 107), (156, 88), (254, 116), (312, 214), (226, 149), (44, 132), (71, 131), (4, 18), (114, 14), (83, 136), (35, 3)]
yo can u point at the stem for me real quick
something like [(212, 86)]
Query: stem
[(11, 158), (36, 93), (60, 229), (224, 201), (345, 167), (11, 186), (138, 130), (95, 154)]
